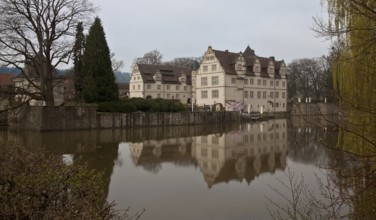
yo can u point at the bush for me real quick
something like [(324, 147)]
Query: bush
[(39, 186)]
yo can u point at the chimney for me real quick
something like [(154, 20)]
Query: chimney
[(272, 58)]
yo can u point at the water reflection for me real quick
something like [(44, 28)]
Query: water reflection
[(242, 154), (211, 166)]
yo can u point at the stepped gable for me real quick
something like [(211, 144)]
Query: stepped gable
[(170, 74)]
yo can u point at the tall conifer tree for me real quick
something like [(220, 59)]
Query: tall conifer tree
[(99, 79), (78, 53)]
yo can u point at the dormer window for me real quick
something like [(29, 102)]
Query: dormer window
[(182, 78), (239, 67), (158, 76)]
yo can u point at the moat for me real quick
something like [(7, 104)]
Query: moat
[(196, 172)]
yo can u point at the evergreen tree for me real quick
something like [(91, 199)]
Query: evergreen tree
[(99, 79), (78, 53)]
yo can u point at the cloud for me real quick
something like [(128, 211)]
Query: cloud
[(186, 28)]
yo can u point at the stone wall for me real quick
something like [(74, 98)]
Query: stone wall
[(319, 114), (312, 109), (73, 118)]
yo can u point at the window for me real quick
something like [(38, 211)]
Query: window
[(215, 153), (259, 82), (215, 80), (209, 58), (168, 87), (158, 87), (138, 87), (204, 151), (233, 80), (277, 83), (185, 88), (251, 94), (271, 82), (204, 139), (277, 95), (148, 86), (283, 84), (177, 96), (133, 87), (239, 67), (215, 93), (215, 140), (251, 81), (283, 95), (271, 95), (245, 81), (204, 94), (204, 81), (264, 95), (158, 95), (214, 67), (177, 88), (264, 82), (168, 95), (259, 95), (205, 69), (257, 68), (245, 94)]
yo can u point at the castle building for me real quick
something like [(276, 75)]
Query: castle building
[(161, 81), (240, 81)]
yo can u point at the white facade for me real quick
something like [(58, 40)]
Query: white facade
[(255, 83), (150, 81), (225, 76)]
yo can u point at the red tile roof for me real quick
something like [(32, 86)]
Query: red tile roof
[(6, 79)]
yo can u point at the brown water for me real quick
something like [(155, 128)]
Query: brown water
[(196, 172)]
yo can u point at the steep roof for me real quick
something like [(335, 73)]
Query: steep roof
[(170, 74), (228, 60), (124, 86)]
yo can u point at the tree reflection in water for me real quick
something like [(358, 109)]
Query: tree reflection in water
[(222, 153)]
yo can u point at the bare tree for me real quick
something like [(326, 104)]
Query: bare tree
[(116, 64), (188, 62), (40, 33), (308, 77), (152, 57)]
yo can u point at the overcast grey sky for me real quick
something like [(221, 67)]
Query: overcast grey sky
[(177, 28)]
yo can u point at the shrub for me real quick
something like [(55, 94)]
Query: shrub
[(39, 186), (144, 105)]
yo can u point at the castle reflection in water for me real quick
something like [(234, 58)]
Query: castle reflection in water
[(237, 155)]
